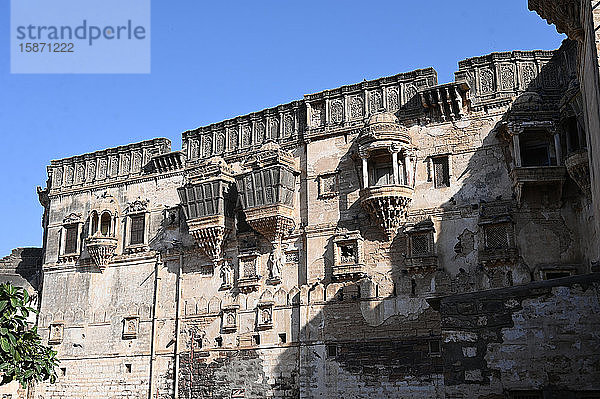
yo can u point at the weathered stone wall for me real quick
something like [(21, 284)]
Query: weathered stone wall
[(541, 336)]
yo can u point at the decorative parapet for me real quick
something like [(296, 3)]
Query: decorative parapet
[(104, 167), (495, 79), (578, 167), (447, 102), (564, 14), (388, 205), (351, 105), (208, 202), (282, 124)]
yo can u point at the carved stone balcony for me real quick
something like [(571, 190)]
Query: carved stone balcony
[(387, 205), (578, 167), (208, 201), (101, 249), (267, 187), (535, 176)]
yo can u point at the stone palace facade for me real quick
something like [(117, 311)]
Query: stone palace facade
[(391, 238)]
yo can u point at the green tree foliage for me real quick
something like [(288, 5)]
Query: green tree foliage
[(22, 356)]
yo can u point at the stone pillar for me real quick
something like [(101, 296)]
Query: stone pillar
[(365, 172), (409, 170), (395, 167), (558, 149), (517, 149)]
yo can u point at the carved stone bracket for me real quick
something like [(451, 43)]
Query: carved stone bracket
[(210, 233), (579, 170), (387, 205), (101, 249)]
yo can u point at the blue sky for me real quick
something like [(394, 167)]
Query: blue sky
[(216, 60)]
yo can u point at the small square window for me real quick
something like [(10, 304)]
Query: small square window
[(328, 185), (434, 347), (219, 341), (441, 172), (63, 371), (256, 339), (496, 236), (137, 229), (331, 350), (347, 253), (282, 338), (56, 333), (128, 368)]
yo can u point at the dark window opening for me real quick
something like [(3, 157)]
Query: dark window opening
[(219, 341), (137, 229), (413, 286), (71, 239), (256, 339), (535, 149), (383, 175), (63, 371), (105, 224), (282, 338), (441, 172), (526, 395), (128, 367), (347, 254), (434, 347), (573, 134), (94, 222), (331, 350), (549, 275)]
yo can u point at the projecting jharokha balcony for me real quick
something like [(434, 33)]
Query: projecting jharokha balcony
[(388, 170)]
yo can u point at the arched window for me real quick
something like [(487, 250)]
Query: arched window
[(105, 224)]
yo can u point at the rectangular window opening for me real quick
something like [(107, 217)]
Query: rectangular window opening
[(137, 229), (71, 239), (256, 339), (441, 172), (331, 350), (128, 368)]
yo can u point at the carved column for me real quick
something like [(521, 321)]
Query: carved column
[(558, 148), (365, 171), (517, 149), (395, 166)]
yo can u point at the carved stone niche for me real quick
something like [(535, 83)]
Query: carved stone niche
[(421, 255), (130, 327), (249, 266), (208, 201), (229, 318), (264, 317), (348, 256), (267, 187), (56, 333), (496, 244)]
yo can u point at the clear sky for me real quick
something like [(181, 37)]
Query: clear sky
[(215, 60)]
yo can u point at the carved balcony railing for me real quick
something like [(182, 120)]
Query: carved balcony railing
[(208, 204), (445, 102), (535, 176), (267, 188), (387, 205), (101, 249), (578, 168)]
